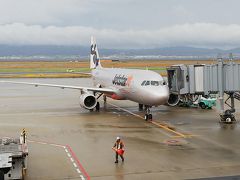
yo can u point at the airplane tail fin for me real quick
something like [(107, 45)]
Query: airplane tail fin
[(94, 56)]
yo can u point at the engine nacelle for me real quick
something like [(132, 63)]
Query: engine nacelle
[(173, 99), (88, 101)]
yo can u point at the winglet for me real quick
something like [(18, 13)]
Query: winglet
[(94, 56)]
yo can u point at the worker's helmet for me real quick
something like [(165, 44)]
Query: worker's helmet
[(118, 138)]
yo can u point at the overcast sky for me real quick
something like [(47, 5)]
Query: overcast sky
[(121, 23)]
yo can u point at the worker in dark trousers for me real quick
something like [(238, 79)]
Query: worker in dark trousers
[(118, 146)]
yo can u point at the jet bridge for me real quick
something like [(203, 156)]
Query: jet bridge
[(187, 82)]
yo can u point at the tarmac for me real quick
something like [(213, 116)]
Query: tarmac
[(68, 142)]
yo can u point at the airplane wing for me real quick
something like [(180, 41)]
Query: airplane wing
[(93, 89)]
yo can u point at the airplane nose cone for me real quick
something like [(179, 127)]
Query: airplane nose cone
[(162, 96), (159, 96)]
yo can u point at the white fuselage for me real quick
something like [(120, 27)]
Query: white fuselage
[(141, 86)]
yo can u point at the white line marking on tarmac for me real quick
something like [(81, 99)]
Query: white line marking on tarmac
[(136, 115), (42, 143), (59, 145), (81, 176), (75, 165), (126, 110)]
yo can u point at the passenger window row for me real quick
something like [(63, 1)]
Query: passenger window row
[(153, 83)]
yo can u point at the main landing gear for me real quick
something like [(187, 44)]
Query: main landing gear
[(140, 107), (98, 104), (148, 115), (97, 107)]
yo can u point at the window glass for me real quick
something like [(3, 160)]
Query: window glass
[(143, 83), (147, 83)]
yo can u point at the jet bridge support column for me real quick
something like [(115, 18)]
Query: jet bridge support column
[(226, 116), (220, 85)]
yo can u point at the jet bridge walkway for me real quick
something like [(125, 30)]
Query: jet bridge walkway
[(187, 82)]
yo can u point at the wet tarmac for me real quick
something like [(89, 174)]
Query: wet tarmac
[(68, 142)]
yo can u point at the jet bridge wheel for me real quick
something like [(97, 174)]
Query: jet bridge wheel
[(227, 118)]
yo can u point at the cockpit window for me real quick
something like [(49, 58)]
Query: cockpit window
[(143, 83), (153, 83), (147, 83)]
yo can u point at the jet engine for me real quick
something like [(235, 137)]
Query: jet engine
[(88, 101), (173, 99)]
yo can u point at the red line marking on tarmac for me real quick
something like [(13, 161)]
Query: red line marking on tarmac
[(78, 162)]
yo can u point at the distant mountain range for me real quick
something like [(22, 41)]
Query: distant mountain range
[(46, 52)]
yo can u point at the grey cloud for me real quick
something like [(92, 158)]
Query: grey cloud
[(197, 34), (121, 23), (119, 14)]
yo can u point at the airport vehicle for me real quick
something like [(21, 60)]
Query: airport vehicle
[(201, 101), (142, 86), (13, 158), (206, 103)]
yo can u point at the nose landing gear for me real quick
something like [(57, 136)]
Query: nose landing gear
[(148, 115)]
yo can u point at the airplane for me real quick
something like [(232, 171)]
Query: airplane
[(144, 87)]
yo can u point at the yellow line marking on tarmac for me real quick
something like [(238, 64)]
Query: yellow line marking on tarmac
[(168, 129), (165, 127), (186, 135)]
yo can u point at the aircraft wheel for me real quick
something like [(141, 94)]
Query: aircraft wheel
[(146, 117), (150, 117)]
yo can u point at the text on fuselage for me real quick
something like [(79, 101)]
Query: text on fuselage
[(122, 80)]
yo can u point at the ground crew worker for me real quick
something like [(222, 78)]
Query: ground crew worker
[(118, 146)]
